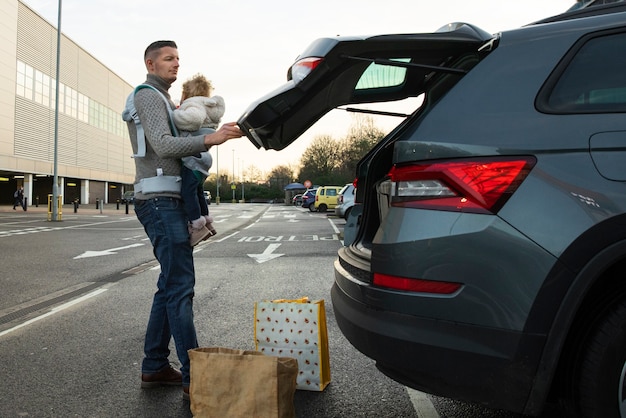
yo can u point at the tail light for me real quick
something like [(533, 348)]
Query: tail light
[(303, 68), (476, 186)]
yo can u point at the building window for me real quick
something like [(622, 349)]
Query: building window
[(25, 77), (34, 85), (61, 94), (83, 108), (42, 88)]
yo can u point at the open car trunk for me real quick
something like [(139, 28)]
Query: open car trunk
[(340, 71), (343, 71)]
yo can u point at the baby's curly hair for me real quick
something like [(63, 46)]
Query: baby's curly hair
[(198, 85)]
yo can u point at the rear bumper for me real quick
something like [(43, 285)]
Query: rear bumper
[(490, 366), (340, 210)]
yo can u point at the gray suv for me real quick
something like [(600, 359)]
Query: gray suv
[(489, 259)]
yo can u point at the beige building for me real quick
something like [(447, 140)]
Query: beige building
[(93, 153)]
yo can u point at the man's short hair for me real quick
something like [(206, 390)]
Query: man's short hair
[(155, 46)]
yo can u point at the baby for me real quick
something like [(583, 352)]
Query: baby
[(199, 114)]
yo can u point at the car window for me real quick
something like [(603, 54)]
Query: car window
[(380, 76), (593, 80), (581, 4)]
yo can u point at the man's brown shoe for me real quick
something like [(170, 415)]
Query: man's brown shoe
[(166, 376), (186, 393)]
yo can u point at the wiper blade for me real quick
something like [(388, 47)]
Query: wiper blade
[(381, 61)]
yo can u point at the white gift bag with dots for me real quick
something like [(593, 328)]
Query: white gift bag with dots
[(295, 328)]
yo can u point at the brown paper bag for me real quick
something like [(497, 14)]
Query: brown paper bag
[(295, 328), (237, 383)]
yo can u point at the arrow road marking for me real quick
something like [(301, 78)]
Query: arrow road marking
[(267, 254), (111, 251)]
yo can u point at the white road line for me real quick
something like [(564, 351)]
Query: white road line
[(333, 225), (54, 310), (33, 230), (422, 405)]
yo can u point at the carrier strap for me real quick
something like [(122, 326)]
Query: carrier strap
[(130, 113)]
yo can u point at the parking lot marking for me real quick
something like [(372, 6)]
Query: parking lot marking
[(23, 231), (110, 251), (267, 255), (54, 310), (422, 405), (289, 238)]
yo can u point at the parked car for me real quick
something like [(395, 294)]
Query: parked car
[(325, 198), (345, 201), (207, 197), (308, 198), (128, 197), (297, 200), (489, 259)]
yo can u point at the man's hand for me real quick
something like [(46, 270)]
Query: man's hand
[(226, 132)]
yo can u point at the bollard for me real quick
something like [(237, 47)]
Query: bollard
[(97, 203), (127, 207), (118, 204), (75, 206), (25, 207)]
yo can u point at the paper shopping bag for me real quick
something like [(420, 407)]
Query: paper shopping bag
[(295, 328), (235, 383)]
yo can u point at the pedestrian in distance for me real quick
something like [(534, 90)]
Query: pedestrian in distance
[(159, 208), (18, 198), (198, 113)]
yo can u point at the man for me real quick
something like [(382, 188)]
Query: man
[(160, 210), (18, 198)]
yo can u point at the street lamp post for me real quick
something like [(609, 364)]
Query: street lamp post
[(232, 186), (55, 181), (217, 174), (243, 181)]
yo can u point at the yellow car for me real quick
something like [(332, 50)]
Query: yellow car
[(325, 198)]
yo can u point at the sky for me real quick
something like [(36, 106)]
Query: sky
[(245, 47)]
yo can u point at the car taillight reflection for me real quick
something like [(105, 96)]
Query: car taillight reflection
[(477, 185)]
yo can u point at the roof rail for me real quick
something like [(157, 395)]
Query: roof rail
[(587, 9)]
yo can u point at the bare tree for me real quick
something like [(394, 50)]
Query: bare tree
[(253, 174), (280, 176), (328, 161), (320, 160), (361, 138)]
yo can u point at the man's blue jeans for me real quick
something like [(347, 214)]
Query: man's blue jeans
[(165, 222)]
